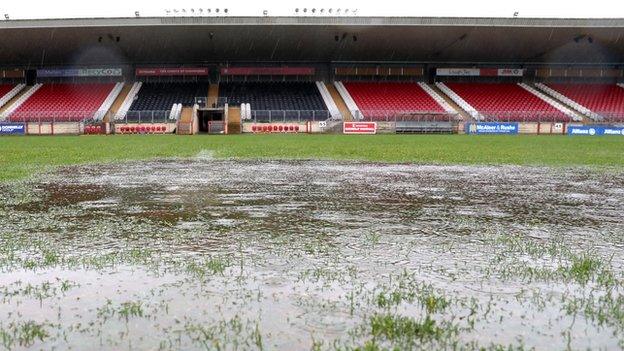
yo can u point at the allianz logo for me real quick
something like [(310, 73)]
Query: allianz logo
[(593, 131), (610, 131)]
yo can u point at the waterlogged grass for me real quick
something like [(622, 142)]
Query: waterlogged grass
[(427, 280), (23, 334), (552, 260), (47, 289), (25, 156), (404, 330)]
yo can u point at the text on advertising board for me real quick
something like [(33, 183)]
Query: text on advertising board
[(359, 127), (12, 128), (595, 130), (494, 128)]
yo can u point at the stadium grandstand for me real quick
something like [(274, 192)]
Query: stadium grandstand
[(194, 179), (405, 74)]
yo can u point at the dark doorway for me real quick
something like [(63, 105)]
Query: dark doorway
[(31, 77), (211, 121)]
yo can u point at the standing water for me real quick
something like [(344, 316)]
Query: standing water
[(207, 254)]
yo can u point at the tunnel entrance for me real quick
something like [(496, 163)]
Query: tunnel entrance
[(211, 121)]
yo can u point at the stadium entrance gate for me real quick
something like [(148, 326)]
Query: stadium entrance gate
[(211, 120)]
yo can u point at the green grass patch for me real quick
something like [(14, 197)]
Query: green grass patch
[(25, 156), (404, 331), (23, 334)]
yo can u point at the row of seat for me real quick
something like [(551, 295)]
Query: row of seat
[(606, 100), (62, 102), (274, 96), (506, 102), (162, 96), (387, 101), (283, 101)]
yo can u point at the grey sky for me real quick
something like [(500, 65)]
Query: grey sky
[(476, 8)]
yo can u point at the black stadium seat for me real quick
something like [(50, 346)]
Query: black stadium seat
[(300, 99), (162, 96)]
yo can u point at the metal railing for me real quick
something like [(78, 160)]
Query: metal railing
[(54, 116), (522, 116), (404, 116), (146, 117), (273, 116), (607, 117)]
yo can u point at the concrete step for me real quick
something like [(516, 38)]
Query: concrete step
[(465, 116), (342, 107)]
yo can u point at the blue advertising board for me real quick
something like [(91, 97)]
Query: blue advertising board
[(595, 130), (493, 128), (80, 72), (12, 129)]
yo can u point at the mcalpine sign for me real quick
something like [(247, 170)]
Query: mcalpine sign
[(494, 128)]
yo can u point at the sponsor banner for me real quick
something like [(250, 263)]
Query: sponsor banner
[(477, 72), (12, 128), (80, 72), (458, 72), (494, 128), (12, 73), (595, 130), (268, 71), (359, 127), (510, 72), (156, 72)]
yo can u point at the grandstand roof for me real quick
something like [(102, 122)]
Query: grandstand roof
[(187, 40)]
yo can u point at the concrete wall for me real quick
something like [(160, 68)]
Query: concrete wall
[(50, 128)]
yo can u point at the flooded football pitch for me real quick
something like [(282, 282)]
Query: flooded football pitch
[(312, 255)]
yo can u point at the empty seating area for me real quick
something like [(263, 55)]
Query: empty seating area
[(380, 101), (277, 100), (507, 102), (154, 101), (162, 96), (606, 100), (62, 102)]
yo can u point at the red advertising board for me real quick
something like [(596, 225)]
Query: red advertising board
[(158, 72), (267, 71), (359, 128), (483, 72)]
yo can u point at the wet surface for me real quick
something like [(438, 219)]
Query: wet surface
[(211, 254)]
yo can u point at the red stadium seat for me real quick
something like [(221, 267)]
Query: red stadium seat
[(606, 100), (63, 102), (382, 100), (507, 102)]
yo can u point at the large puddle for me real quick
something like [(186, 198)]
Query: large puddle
[(207, 254)]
